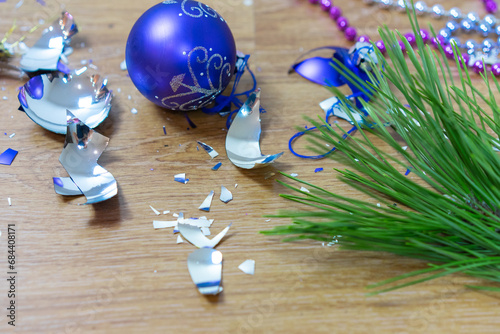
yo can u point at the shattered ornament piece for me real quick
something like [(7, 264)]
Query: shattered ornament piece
[(205, 206), (205, 263), (47, 51), (248, 267), (8, 156), (45, 99), (242, 140), (201, 54), (225, 195), (82, 147), (205, 268)]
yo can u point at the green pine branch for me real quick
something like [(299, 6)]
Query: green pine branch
[(450, 216)]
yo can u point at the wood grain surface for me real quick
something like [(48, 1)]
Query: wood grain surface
[(104, 269)]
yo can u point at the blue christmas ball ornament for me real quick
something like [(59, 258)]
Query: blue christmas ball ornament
[(181, 54)]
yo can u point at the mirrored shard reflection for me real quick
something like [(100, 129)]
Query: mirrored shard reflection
[(194, 235), (205, 268), (47, 51), (8, 156), (225, 195), (205, 206), (243, 136), (45, 99), (82, 148), (248, 267), (209, 149)]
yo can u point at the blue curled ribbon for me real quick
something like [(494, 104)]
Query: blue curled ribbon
[(320, 70), (223, 102)]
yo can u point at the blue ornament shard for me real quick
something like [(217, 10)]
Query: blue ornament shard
[(7, 156)]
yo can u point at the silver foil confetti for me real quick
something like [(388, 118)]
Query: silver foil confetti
[(243, 136), (45, 99), (82, 147), (47, 51)]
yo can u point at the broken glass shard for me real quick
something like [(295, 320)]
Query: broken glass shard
[(242, 140), (332, 107), (47, 51), (205, 268), (209, 149), (155, 211), (216, 167), (181, 178), (194, 235), (248, 267), (7, 156), (164, 223), (82, 147), (45, 99), (225, 195), (205, 206)]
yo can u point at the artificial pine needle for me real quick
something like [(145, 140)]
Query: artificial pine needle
[(450, 217)]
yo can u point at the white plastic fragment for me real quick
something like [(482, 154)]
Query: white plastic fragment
[(304, 189), (12, 135), (9, 201), (294, 174), (175, 214), (225, 195), (205, 206), (248, 267), (404, 148), (133, 111), (179, 239), (155, 211), (166, 211)]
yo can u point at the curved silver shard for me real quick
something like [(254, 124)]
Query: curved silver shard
[(82, 147), (242, 140), (47, 51), (45, 99), (205, 268), (194, 235)]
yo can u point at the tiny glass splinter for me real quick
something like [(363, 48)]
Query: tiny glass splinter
[(7, 156), (216, 167), (181, 178), (45, 99), (209, 149), (82, 147), (47, 51), (242, 140), (205, 206), (248, 267), (225, 195)]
